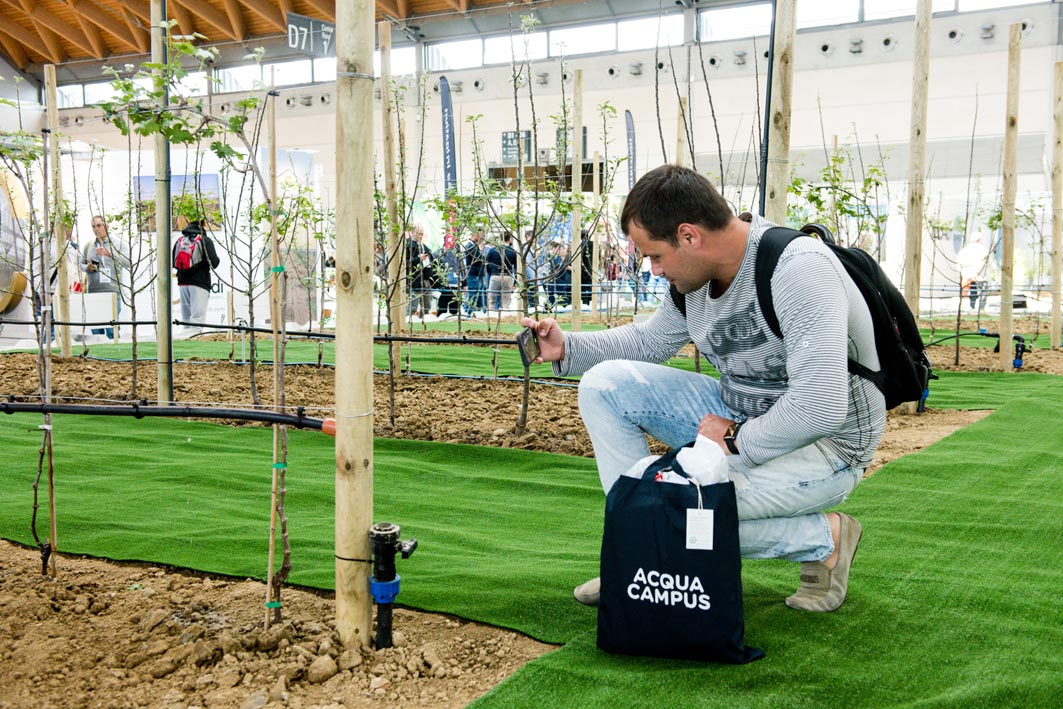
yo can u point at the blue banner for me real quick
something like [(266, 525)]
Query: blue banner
[(630, 150), (450, 167)]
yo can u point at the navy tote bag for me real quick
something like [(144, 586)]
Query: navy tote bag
[(671, 569)]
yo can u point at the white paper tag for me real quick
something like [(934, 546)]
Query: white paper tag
[(699, 529)]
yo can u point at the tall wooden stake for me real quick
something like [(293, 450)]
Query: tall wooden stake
[(1007, 220), (60, 234), (913, 247), (1057, 208), (681, 133), (577, 192), (354, 319), (596, 257), (163, 342), (396, 248), (275, 316), (778, 167)]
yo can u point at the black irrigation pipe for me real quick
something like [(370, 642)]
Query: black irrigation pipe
[(962, 334), (376, 338), (309, 334), (381, 372), (143, 410), (81, 324)]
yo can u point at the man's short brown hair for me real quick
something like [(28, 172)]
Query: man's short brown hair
[(670, 195)]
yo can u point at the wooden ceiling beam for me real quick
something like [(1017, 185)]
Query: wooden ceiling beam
[(14, 51), (236, 19), (276, 16), (389, 8), (141, 9), (92, 34), (326, 7), (27, 38), (43, 19), (136, 28), (404, 8), (183, 17), (125, 32), (210, 15)]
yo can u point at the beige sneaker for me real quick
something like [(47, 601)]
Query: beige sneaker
[(823, 590), (589, 593)]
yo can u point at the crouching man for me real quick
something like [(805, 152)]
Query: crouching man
[(800, 429)]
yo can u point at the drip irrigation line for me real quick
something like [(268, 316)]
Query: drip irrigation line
[(308, 334), (962, 334), (485, 378), (381, 372), (102, 323), (376, 338), (144, 411)]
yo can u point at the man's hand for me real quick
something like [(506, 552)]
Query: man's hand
[(713, 427), (551, 339)]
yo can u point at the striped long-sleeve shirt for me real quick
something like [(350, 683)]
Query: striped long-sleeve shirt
[(790, 392)]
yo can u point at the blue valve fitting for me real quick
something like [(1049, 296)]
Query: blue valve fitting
[(384, 591)]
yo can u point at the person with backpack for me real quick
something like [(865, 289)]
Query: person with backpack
[(799, 428), (193, 258)]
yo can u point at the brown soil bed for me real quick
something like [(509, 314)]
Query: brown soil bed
[(106, 634)]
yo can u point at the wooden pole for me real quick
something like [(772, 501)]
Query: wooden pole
[(913, 247), (60, 234), (164, 345), (396, 249), (778, 168), (1057, 208), (596, 257), (577, 193), (354, 319), (681, 133), (275, 316), (1007, 220)]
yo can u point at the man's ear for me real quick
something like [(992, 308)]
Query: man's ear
[(689, 234)]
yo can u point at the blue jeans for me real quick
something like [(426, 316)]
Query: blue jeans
[(476, 294), (780, 503)]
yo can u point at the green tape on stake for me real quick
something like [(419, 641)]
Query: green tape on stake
[(277, 269), (280, 466), (273, 604)]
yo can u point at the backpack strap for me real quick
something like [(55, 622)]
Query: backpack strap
[(772, 243), (679, 299)]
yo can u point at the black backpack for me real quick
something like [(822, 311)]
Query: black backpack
[(905, 369)]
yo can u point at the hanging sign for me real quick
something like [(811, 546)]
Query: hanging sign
[(311, 36), (511, 145)]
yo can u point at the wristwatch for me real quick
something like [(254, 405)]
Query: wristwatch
[(731, 437)]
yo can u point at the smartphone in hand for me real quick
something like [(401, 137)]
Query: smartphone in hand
[(528, 344)]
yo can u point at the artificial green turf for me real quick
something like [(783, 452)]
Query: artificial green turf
[(955, 595), (954, 600), (495, 525), (991, 390)]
